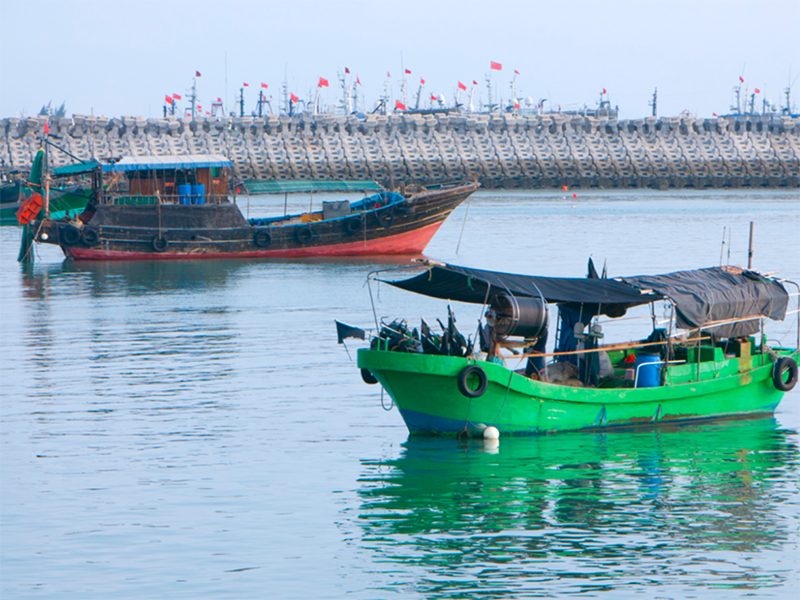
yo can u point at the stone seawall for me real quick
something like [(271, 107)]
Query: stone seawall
[(499, 150)]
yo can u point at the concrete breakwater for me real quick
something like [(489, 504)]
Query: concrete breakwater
[(499, 150)]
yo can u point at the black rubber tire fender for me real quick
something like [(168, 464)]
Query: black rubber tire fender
[(70, 235), (159, 243), (304, 234), (262, 238), (385, 217), (353, 225), (90, 237), (781, 366), (464, 381), (368, 377)]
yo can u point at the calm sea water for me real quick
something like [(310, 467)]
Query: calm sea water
[(192, 430)]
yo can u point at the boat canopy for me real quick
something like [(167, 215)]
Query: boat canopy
[(306, 186), (463, 284), (146, 163), (701, 297), (719, 294)]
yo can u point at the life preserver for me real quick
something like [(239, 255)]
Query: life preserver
[(304, 234), (466, 383), (353, 225), (90, 237), (385, 217), (70, 235), (368, 377), (781, 366), (159, 243), (262, 238)]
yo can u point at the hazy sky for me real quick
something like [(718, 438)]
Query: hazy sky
[(121, 57)]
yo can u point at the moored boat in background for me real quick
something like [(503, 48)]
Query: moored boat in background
[(179, 207)]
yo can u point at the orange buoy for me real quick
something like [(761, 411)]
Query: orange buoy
[(30, 208)]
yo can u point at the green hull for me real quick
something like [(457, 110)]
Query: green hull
[(425, 389)]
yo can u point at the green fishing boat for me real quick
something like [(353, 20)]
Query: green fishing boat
[(67, 199), (711, 359)]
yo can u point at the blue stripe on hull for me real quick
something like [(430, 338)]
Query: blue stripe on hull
[(418, 422)]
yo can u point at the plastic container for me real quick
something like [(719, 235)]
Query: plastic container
[(184, 194), (649, 375), (199, 194)]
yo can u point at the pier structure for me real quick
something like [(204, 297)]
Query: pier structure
[(499, 150)]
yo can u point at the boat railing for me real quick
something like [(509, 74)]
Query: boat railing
[(123, 198)]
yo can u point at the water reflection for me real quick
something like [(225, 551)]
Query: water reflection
[(662, 508)]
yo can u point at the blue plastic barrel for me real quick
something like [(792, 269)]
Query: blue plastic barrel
[(199, 194), (185, 193), (649, 374)]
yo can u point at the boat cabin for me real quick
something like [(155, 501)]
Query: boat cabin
[(141, 180)]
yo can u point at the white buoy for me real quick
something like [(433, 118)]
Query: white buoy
[(491, 433), (44, 236)]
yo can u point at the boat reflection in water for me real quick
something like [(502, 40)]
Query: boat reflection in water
[(677, 509)]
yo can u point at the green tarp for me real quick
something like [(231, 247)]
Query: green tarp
[(304, 186)]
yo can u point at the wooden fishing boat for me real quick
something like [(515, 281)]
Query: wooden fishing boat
[(720, 366), (179, 207)]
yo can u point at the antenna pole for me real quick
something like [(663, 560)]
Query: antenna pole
[(750, 249)]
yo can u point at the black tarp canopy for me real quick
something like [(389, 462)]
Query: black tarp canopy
[(701, 296), (719, 294)]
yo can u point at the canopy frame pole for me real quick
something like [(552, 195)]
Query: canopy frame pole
[(699, 350), (670, 343), (285, 203)]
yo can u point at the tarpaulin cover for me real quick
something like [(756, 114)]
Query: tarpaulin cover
[(307, 186), (719, 294), (701, 296), (463, 284)]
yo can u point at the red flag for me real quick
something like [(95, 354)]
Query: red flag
[(408, 72), (421, 81), (264, 85), (757, 91), (516, 72), (246, 84), (433, 97), (399, 105), (199, 107), (516, 104), (176, 96), (219, 99), (461, 86), (168, 99), (197, 73), (474, 82), (496, 66), (388, 74), (715, 114), (741, 79), (47, 127), (358, 80), (295, 98), (604, 90), (208, 113), (346, 70), (322, 82)]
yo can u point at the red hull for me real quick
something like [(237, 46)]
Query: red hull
[(411, 242)]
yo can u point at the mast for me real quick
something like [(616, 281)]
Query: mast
[(193, 95), (346, 101)]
